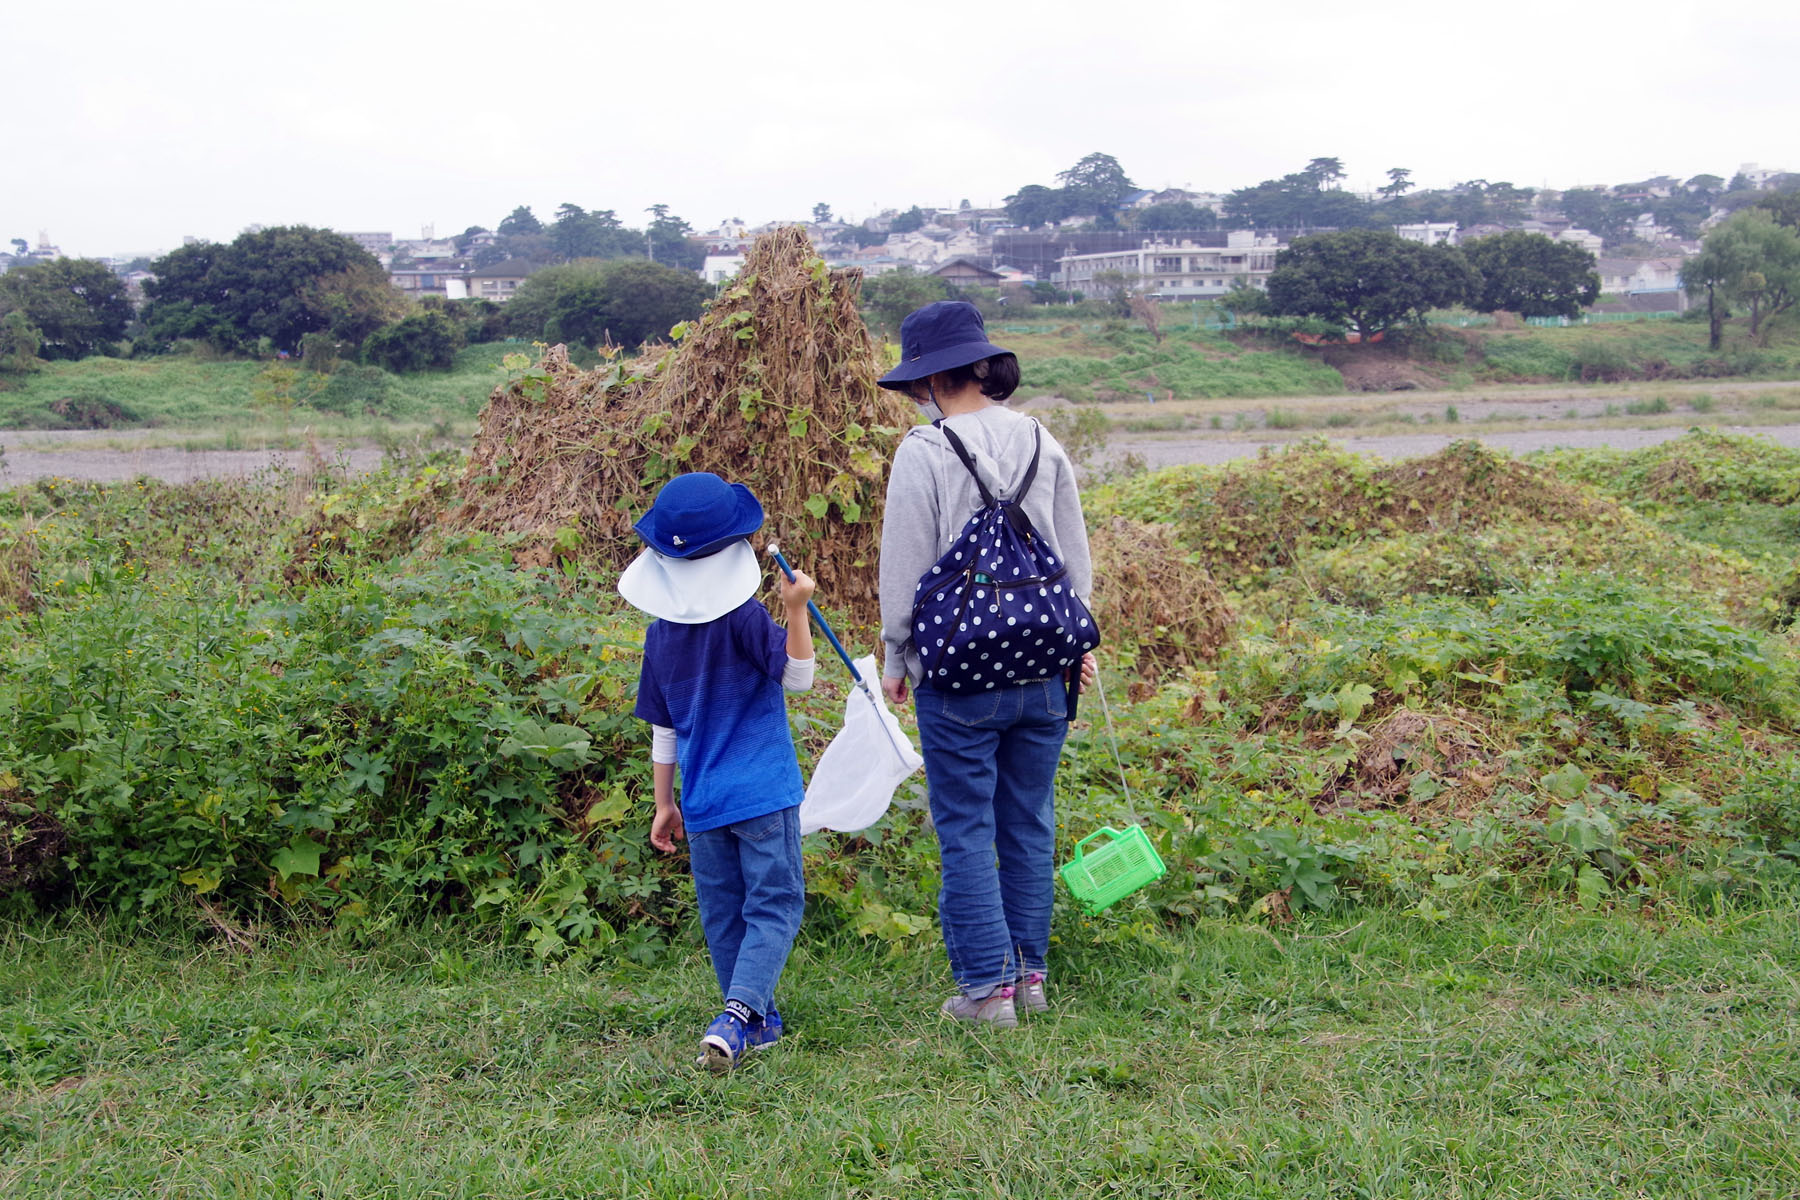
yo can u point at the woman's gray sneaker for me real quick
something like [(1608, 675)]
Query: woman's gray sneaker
[(996, 1009), (1029, 996)]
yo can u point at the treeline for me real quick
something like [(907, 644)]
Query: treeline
[(1367, 281), (318, 296), (1313, 198)]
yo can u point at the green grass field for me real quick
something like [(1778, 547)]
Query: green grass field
[(1505, 1051), (246, 398)]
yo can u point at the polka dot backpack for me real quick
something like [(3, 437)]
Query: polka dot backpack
[(997, 608)]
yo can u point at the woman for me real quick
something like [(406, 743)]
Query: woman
[(990, 756)]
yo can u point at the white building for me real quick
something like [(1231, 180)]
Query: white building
[(1591, 242), (719, 267), (1177, 270), (1429, 233)]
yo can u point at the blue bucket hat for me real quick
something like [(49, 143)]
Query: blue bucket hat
[(937, 337), (698, 514)]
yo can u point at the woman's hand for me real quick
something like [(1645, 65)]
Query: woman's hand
[(895, 691), (1088, 667)]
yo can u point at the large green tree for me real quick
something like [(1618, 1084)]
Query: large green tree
[(1532, 275), (1034, 205), (888, 298), (280, 284), (1758, 264), (1302, 200), (625, 301), (1183, 217), (1096, 184), (78, 306), (1367, 280)]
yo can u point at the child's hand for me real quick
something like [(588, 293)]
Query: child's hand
[(795, 592), (1087, 670), (666, 827)]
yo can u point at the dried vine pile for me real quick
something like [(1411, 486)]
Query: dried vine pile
[(774, 387)]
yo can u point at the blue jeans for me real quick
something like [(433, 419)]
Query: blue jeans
[(748, 879), (990, 764)]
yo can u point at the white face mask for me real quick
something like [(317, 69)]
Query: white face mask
[(930, 407)]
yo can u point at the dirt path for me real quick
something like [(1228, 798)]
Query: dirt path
[(1561, 409), (1167, 450)]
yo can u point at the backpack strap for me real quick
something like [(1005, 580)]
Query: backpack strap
[(962, 452)]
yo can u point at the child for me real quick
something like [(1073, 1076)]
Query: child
[(714, 668)]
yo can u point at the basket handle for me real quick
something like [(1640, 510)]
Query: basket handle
[(1105, 830)]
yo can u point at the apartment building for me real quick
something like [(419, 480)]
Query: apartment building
[(1184, 270)]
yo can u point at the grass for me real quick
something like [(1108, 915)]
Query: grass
[(190, 393), (1511, 1051)]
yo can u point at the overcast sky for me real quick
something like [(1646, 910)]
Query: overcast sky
[(135, 124)]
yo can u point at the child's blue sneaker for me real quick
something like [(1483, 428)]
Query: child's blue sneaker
[(763, 1032), (724, 1042)]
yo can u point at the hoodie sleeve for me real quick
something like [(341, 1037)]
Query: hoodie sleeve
[(908, 547)]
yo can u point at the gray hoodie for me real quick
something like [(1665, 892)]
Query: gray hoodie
[(930, 497)]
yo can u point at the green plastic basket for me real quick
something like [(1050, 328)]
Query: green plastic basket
[(1106, 876)]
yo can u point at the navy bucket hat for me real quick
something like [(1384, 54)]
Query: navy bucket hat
[(697, 514), (937, 337)]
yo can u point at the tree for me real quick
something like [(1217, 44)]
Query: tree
[(280, 284), (821, 213), (888, 298), (672, 241), (908, 221), (1783, 206), (518, 221), (77, 305), (590, 302), (20, 342), (1183, 217), (1532, 275), (1367, 280), (1034, 205), (424, 341), (21, 247), (1096, 184), (577, 233), (1707, 274), (1758, 262), (1325, 172), (1298, 201), (1398, 184)]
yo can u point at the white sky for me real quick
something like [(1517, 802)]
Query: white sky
[(133, 124)]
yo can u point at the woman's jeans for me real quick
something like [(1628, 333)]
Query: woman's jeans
[(990, 763), (749, 882)]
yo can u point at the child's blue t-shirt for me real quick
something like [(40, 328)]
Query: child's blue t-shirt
[(718, 685)]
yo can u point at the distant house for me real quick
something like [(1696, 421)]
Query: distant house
[(1639, 276), (1429, 233), (1591, 242), (380, 243), (500, 281), (964, 272), (717, 268), (415, 282)]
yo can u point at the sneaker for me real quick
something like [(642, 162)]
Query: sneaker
[(1029, 996), (763, 1032), (996, 1009), (723, 1042)]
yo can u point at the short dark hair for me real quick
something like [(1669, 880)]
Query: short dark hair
[(998, 376)]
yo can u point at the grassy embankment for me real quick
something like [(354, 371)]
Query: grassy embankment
[(1483, 835), (1642, 373), (232, 404)]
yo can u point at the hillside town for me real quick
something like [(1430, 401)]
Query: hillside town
[(1639, 259)]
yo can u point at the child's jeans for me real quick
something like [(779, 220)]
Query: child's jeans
[(748, 878), (990, 764)]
